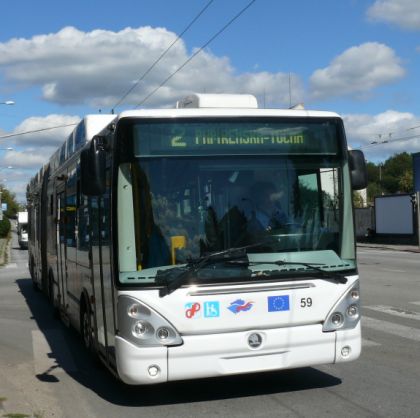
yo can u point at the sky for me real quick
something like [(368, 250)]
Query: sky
[(62, 60)]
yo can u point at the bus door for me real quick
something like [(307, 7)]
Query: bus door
[(61, 247), (72, 277), (102, 272), (94, 211)]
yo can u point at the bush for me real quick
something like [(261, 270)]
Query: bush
[(4, 227)]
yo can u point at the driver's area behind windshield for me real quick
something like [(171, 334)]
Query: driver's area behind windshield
[(187, 207)]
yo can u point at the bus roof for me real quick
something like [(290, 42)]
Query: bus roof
[(225, 112), (223, 105)]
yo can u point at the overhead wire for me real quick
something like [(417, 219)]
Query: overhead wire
[(197, 52), (38, 130), (388, 141), (218, 33), (161, 56)]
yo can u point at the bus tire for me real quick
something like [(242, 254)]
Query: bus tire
[(86, 328)]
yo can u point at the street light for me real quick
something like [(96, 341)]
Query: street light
[(8, 102), (6, 149), (4, 168)]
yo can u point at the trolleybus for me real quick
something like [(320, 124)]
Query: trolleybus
[(215, 238)]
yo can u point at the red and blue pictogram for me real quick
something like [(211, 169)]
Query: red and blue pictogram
[(192, 310), (239, 305)]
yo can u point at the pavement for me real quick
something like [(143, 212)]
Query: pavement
[(391, 247), (4, 250)]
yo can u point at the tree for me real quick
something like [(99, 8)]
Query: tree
[(394, 169), (358, 200), (10, 199), (373, 190), (395, 175), (405, 182)]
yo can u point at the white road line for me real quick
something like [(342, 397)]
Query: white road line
[(391, 328), (46, 360), (392, 310), (369, 343), (11, 266), (416, 303), (393, 270)]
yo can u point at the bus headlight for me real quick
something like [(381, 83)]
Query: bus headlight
[(346, 313), (142, 329), (143, 326)]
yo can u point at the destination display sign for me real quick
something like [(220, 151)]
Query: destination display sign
[(230, 138)]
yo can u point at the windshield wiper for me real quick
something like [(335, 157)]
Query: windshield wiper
[(235, 255), (313, 266)]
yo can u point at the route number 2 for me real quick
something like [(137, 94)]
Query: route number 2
[(306, 302)]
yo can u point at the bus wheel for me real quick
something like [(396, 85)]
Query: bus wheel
[(86, 327)]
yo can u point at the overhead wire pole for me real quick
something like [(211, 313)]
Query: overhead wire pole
[(161, 56), (197, 52)]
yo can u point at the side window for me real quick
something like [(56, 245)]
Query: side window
[(71, 209), (62, 153), (94, 210), (69, 144), (51, 204), (105, 212), (62, 216), (83, 221), (79, 138)]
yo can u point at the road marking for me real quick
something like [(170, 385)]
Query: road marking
[(391, 328), (416, 303), (369, 343), (391, 310), (49, 361), (393, 270), (11, 266)]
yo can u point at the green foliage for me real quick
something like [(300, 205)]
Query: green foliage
[(10, 199), (4, 227), (396, 167), (395, 175), (357, 200)]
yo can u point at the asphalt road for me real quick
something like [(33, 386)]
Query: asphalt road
[(45, 372)]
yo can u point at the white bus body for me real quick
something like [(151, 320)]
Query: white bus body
[(152, 249)]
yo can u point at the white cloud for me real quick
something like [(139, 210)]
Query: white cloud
[(46, 137), (32, 150), (384, 134), (403, 13), (98, 67), (356, 72)]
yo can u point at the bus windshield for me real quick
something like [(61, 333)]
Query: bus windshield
[(189, 206)]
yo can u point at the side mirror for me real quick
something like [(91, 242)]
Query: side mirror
[(358, 170), (92, 168)]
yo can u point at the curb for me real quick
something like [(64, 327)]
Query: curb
[(385, 247)]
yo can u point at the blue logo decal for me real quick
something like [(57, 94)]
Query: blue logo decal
[(240, 305), (278, 303), (211, 309)]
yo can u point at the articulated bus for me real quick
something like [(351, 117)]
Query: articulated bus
[(211, 239)]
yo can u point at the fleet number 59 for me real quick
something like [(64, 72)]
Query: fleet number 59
[(306, 302)]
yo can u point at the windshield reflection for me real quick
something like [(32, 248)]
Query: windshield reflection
[(189, 207)]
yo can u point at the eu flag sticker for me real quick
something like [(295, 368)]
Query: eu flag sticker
[(278, 303)]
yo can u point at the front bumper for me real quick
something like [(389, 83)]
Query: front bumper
[(223, 354)]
